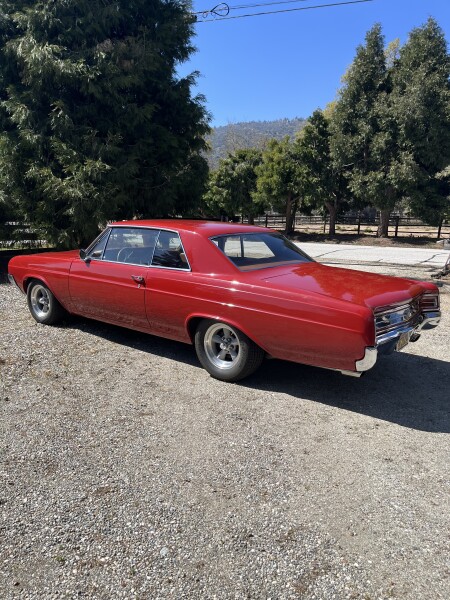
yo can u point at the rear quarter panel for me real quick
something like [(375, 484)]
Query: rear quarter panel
[(300, 328)]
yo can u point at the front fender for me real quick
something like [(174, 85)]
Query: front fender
[(57, 283)]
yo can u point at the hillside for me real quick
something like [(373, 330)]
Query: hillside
[(251, 134)]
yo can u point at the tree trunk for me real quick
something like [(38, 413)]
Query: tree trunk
[(251, 219), (332, 209), (291, 210), (288, 226), (383, 228)]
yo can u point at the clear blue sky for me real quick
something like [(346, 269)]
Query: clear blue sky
[(287, 65)]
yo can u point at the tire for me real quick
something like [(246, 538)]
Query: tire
[(43, 305), (225, 352)]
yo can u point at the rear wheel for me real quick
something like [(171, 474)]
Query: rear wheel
[(225, 352), (43, 305)]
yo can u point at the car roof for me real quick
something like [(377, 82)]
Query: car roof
[(204, 228)]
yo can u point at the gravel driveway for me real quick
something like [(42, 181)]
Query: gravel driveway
[(127, 472)]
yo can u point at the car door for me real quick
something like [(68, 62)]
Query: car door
[(109, 284), (169, 287)]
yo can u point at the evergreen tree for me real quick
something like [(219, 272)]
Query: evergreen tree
[(232, 185), (391, 124), (95, 123), (365, 133), (421, 103), (325, 183), (281, 179)]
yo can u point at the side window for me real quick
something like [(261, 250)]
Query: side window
[(169, 251), (233, 246), (133, 245), (96, 252), (245, 246), (258, 251)]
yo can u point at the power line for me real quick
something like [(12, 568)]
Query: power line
[(224, 7)]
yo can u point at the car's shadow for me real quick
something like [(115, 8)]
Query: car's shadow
[(144, 342), (411, 391)]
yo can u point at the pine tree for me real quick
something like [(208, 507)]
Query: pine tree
[(95, 123), (281, 179), (391, 124), (365, 132), (232, 185), (421, 102), (326, 185)]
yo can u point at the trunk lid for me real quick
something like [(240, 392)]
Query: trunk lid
[(358, 287)]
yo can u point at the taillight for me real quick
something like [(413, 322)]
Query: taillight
[(429, 301)]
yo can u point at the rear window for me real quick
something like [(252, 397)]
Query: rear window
[(258, 251)]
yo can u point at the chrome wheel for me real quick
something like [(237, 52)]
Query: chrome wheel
[(225, 351), (40, 301), (43, 305), (222, 346)]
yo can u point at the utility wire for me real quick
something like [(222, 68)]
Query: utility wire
[(222, 6), (272, 12)]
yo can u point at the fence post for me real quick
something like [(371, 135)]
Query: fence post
[(441, 222), (397, 220)]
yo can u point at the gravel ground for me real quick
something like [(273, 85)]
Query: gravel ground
[(127, 472)]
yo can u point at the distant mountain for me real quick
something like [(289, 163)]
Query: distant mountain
[(251, 134)]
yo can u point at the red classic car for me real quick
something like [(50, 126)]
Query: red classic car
[(239, 293)]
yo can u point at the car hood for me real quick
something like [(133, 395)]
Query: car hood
[(366, 289)]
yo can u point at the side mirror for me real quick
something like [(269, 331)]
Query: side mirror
[(87, 258)]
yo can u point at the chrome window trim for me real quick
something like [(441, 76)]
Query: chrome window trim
[(114, 262), (108, 231), (182, 246), (105, 233), (189, 270), (147, 227), (267, 266)]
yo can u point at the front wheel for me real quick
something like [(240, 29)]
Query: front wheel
[(43, 305), (225, 352)]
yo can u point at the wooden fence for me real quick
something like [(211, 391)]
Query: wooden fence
[(358, 224), (19, 235)]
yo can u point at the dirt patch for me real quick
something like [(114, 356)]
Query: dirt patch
[(367, 240)]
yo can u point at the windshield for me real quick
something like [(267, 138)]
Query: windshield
[(250, 251)]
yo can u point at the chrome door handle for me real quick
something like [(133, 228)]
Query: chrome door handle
[(138, 279)]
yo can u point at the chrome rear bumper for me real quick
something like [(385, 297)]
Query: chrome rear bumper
[(430, 320), (365, 363), (388, 342)]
